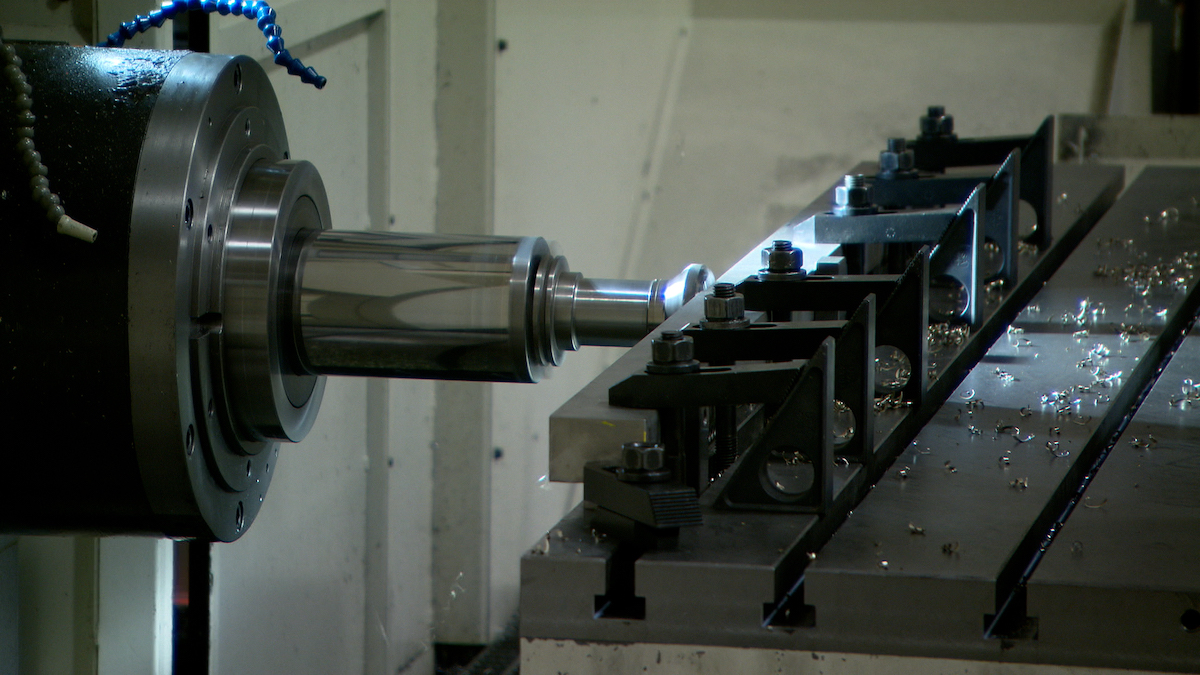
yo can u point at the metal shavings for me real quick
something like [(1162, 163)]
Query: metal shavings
[(973, 430), (1019, 484), (812, 555), (968, 394), (1132, 333), (1055, 431), (1085, 363), (950, 467), (903, 472), (1104, 378), (1063, 410), (795, 458), (1002, 427), (974, 403), (1099, 351), (883, 564), (1080, 334), (993, 291), (543, 546), (1148, 442), (891, 401), (1103, 398), (1005, 376), (946, 335), (950, 547), (913, 529), (1189, 395), (1053, 397), (1005, 460), (598, 536), (1144, 277), (1023, 439), (1013, 330), (1026, 248), (1089, 504), (1026, 412), (1056, 450), (841, 461)]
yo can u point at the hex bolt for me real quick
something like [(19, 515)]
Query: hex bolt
[(643, 463), (853, 197), (898, 161), (642, 457), (783, 258), (724, 308), (936, 123), (672, 352)]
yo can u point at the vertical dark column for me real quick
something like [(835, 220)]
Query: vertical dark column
[(190, 31), (192, 607), (1174, 55)]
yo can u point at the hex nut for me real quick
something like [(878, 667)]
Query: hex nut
[(672, 348), (643, 457), (724, 309), (898, 158), (937, 123), (782, 261), (852, 197)]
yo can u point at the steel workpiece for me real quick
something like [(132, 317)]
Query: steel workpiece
[(462, 307)]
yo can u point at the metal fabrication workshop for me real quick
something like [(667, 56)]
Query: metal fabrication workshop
[(578, 337)]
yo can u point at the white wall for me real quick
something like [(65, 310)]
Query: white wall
[(334, 575)]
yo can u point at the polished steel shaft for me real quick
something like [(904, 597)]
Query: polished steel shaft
[(461, 307)]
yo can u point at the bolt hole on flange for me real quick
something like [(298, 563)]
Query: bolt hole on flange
[(190, 440), (187, 214), (209, 232), (237, 78), (1190, 621), (240, 517), (247, 128)]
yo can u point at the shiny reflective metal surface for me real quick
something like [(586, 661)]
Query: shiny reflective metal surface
[(457, 307), (277, 202), (411, 305)]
